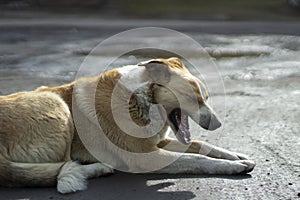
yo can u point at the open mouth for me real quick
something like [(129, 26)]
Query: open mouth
[(180, 122)]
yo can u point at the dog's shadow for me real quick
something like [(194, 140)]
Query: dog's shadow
[(125, 186)]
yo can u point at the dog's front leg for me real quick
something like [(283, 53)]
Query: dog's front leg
[(203, 148), (199, 164)]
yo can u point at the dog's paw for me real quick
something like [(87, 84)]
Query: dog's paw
[(107, 170), (228, 155), (242, 156), (230, 167), (246, 166), (71, 178), (98, 169)]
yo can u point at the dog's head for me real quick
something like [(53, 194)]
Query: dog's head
[(182, 95)]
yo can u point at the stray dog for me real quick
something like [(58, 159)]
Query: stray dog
[(40, 146)]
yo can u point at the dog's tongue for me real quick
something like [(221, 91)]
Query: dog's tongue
[(183, 134)]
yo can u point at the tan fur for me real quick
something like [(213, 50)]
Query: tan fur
[(38, 141)]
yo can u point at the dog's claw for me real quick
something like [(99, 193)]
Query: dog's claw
[(249, 166)]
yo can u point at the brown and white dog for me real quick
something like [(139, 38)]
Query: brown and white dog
[(39, 144)]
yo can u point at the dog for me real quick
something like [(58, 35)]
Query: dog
[(41, 146)]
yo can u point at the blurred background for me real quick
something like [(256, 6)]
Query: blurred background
[(172, 9)]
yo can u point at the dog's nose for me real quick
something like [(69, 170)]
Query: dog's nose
[(214, 123), (206, 118)]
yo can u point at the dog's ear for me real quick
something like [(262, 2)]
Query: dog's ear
[(158, 71), (176, 61)]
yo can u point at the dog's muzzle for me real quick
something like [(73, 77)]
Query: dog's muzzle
[(207, 118)]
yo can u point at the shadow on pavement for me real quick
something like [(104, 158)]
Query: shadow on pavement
[(123, 186)]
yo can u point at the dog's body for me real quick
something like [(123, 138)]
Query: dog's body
[(39, 144)]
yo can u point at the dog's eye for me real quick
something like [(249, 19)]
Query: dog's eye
[(159, 85)]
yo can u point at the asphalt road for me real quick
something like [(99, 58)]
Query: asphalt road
[(261, 118)]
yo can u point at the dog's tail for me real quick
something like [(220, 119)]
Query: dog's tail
[(69, 176)]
